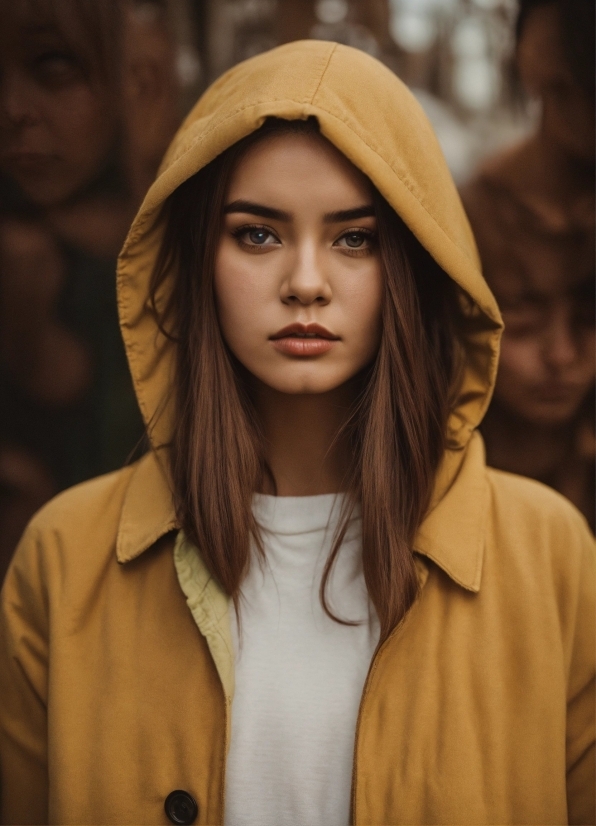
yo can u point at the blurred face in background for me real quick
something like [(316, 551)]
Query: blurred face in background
[(567, 109), (57, 116), (547, 366)]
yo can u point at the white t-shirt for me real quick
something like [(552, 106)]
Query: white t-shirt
[(299, 674)]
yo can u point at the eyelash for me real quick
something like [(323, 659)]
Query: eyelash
[(55, 69), (367, 234), (245, 228)]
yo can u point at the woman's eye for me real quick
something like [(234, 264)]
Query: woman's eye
[(256, 236), (56, 67), (520, 323), (355, 240)]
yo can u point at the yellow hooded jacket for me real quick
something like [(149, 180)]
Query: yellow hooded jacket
[(116, 667)]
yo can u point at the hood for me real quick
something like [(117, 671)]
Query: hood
[(372, 118)]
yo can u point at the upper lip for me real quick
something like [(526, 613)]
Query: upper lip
[(556, 389), (298, 329)]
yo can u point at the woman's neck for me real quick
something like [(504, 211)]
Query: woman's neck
[(523, 447), (303, 451), (97, 217), (96, 224)]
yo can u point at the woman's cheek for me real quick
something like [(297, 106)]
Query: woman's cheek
[(587, 347), (363, 303), (520, 358), (241, 299), (85, 125)]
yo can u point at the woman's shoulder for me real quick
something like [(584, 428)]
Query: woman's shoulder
[(77, 529), (538, 531), (84, 508), (115, 516), (526, 498)]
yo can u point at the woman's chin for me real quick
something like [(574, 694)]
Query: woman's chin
[(304, 379)]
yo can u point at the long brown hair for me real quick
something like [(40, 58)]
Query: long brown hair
[(396, 428)]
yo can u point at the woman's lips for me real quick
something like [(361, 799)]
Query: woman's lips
[(554, 393), (27, 163), (294, 346), (303, 340)]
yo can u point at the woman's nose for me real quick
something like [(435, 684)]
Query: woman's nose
[(306, 281), (17, 105), (560, 348)]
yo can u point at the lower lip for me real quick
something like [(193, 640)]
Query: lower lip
[(555, 394), (28, 163), (295, 346)]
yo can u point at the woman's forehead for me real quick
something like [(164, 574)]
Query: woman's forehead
[(35, 17), (290, 166)]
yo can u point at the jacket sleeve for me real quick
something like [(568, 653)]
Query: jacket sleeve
[(24, 687), (581, 699)]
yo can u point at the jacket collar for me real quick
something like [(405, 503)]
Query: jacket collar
[(148, 509), (452, 535)]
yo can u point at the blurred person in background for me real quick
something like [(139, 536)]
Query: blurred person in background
[(532, 211), (88, 103)]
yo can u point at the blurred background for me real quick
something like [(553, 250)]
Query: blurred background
[(91, 92), (456, 55)]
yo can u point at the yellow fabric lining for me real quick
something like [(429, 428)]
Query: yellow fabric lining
[(209, 606)]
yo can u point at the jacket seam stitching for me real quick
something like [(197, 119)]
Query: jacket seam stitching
[(403, 180), (323, 73)]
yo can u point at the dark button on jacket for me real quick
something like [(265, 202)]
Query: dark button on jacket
[(181, 807)]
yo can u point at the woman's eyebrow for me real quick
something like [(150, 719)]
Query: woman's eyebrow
[(257, 209), (365, 211), (262, 211)]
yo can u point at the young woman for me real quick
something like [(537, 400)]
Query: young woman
[(311, 602)]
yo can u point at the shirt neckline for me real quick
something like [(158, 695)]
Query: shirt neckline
[(299, 514)]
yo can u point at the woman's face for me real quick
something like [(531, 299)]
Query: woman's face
[(297, 276), (56, 128), (567, 110), (547, 365)]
